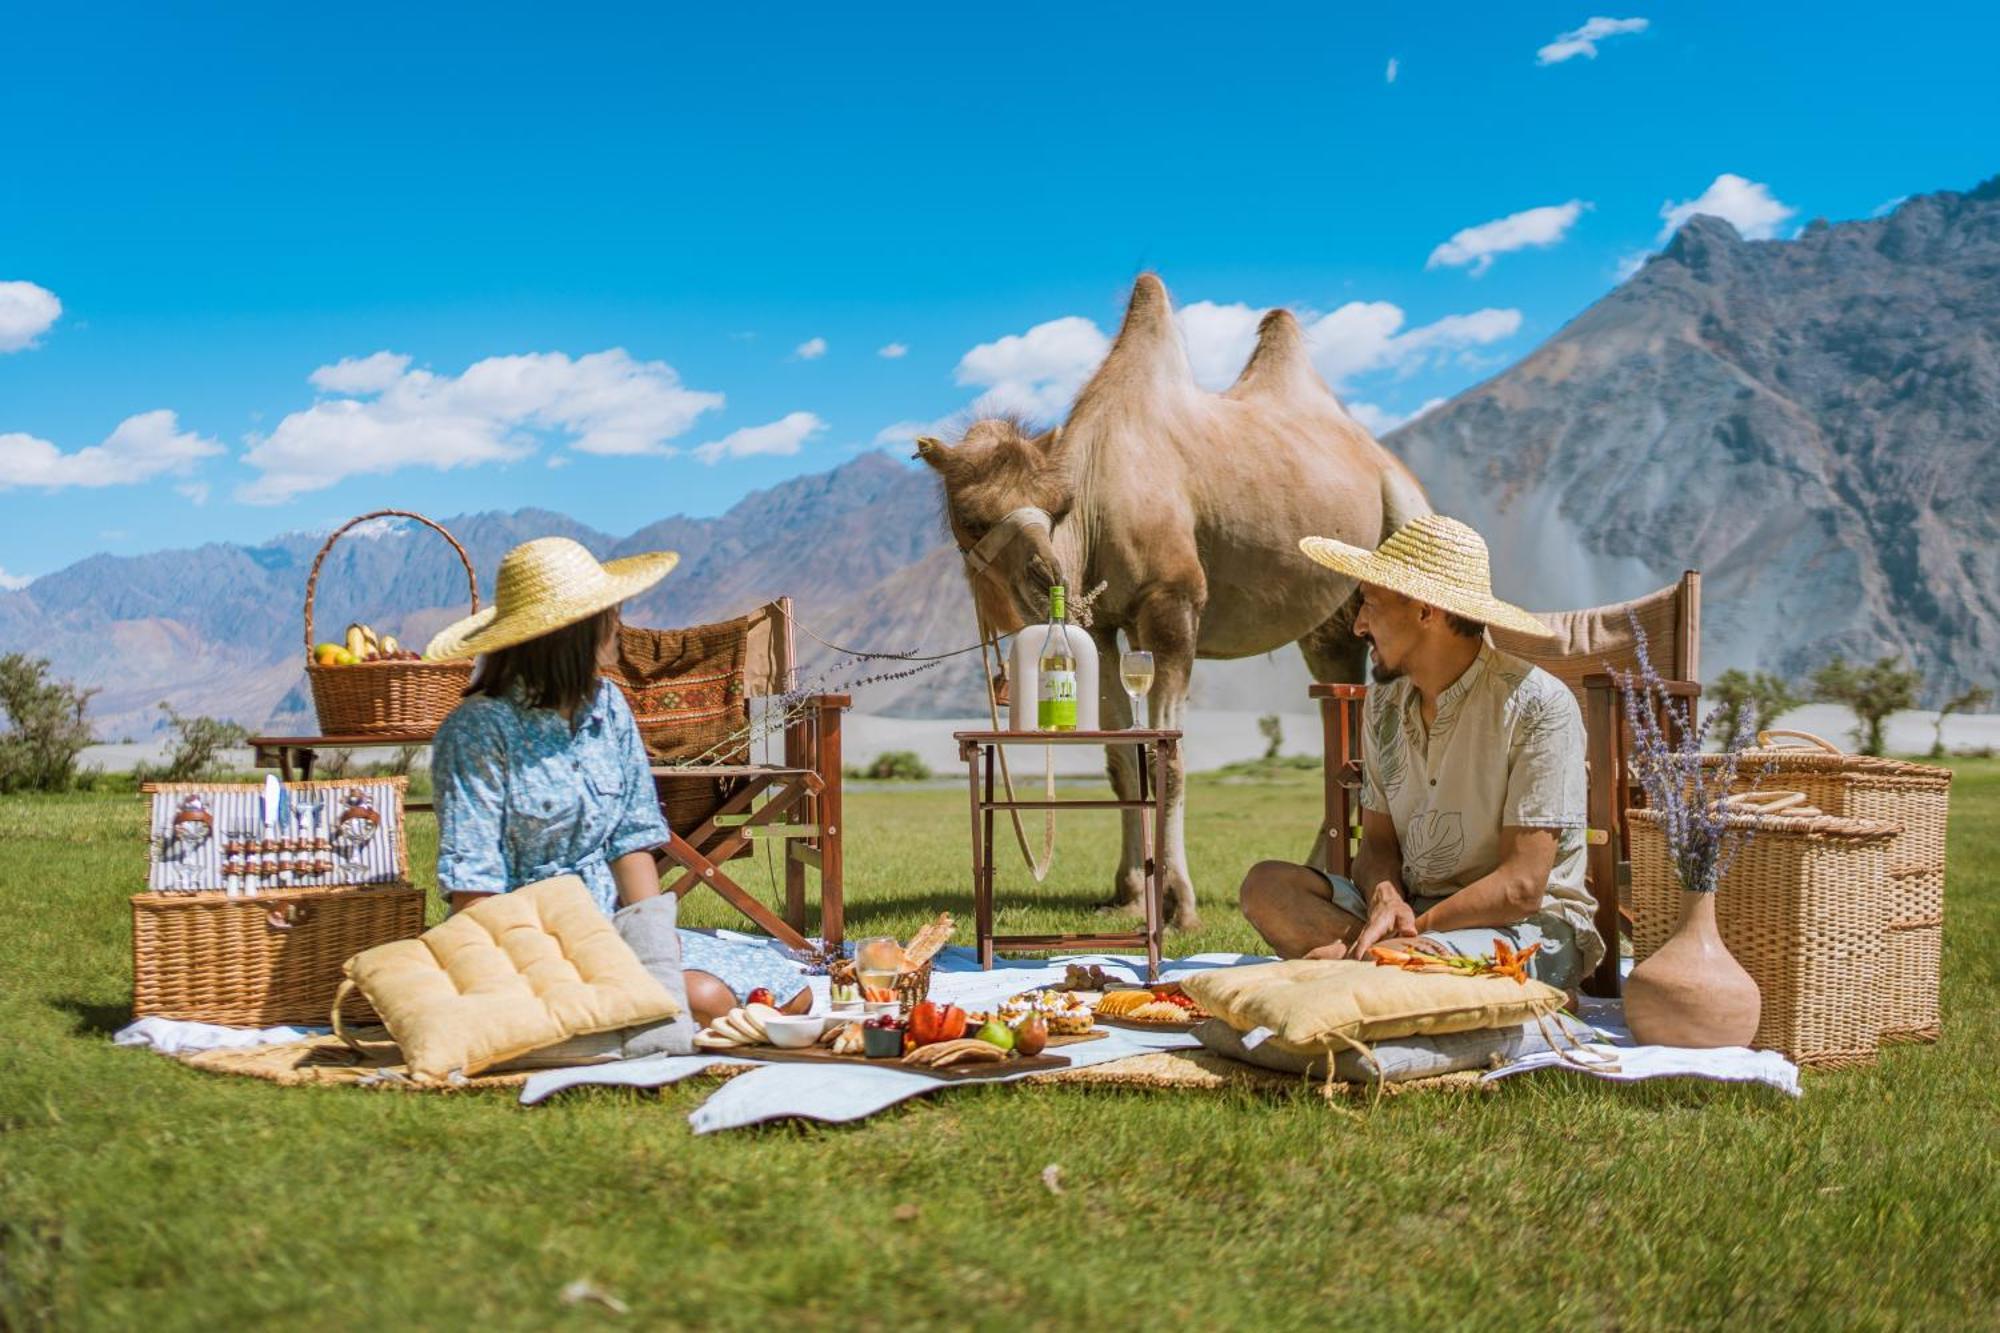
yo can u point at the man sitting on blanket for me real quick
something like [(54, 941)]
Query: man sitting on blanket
[(1473, 804)]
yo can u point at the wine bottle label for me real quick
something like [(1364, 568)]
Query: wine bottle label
[(1055, 701)]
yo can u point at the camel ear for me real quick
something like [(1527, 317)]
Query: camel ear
[(931, 450)]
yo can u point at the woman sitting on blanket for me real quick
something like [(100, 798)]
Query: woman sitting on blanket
[(540, 772)]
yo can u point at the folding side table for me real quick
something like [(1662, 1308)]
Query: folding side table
[(981, 752)]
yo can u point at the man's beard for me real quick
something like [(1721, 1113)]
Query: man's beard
[(1381, 675)]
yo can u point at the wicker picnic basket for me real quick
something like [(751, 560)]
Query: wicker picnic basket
[(1915, 796), (385, 698), (211, 956), (1803, 909)]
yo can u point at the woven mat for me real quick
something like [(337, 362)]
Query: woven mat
[(328, 1062), (1205, 1071)]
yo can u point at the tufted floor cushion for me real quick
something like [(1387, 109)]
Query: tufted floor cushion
[(1313, 1006), (514, 973)]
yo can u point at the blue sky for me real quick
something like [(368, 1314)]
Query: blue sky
[(584, 253)]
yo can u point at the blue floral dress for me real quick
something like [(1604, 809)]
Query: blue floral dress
[(523, 796)]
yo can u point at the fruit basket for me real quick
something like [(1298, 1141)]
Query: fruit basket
[(395, 692)]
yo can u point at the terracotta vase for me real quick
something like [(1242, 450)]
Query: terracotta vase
[(1691, 992)]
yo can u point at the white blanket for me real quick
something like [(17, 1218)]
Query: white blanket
[(841, 1093)]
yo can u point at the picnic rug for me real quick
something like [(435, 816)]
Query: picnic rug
[(326, 1061)]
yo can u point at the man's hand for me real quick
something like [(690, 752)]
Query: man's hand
[(1389, 917)]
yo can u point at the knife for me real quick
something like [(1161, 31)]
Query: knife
[(274, 795)]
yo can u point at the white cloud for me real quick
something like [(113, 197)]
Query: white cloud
[(1746, 205), (14, 582), (1034, 373), (142, 447), (1888, 206), (1219, 340), (26, 311), (1531, 228), (361, 374), (812, 349), (893, 351), (904, 432), (787, 435), (1039, 372), (195, 491), (1380, 421), (1583, 41), (1389, 74), (603, 403), (1632, 263)]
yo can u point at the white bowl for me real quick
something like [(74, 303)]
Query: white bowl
[(794, 1031)]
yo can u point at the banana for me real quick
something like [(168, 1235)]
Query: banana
[(357, 640), (390, 645)]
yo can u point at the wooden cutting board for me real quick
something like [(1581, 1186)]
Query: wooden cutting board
[(1020, 1064)]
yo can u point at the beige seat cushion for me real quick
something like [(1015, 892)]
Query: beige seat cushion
[(515, 973), (1314, 1006)]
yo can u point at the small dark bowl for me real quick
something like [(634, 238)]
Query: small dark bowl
[(882, 1043)]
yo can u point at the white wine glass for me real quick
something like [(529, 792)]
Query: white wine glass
[(1135, 670)]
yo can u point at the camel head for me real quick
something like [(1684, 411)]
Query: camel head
[(995, 472)]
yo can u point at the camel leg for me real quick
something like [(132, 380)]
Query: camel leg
[(1121, 766), (1334, 656), (1165, 625)]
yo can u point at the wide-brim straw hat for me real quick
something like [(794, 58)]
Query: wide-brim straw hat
[(1436, 560), (545, 585)]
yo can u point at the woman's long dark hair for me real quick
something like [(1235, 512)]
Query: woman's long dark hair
[(557, 670)]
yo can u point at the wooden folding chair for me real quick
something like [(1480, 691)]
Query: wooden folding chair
[(1588, 645), (692, 691)]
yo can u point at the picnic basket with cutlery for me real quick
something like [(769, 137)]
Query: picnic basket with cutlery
[(257, 893)]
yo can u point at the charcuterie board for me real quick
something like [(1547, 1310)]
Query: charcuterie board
[(1019, 1064)]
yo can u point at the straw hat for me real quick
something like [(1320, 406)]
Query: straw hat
[(544, 585), (1436, 560)]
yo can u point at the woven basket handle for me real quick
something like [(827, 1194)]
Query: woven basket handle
[(312, 579), (1764, 739), (1769, 802)]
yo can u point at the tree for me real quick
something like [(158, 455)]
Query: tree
[(1740, 697), (45, 727), (1873, 692), (1976, 697), (1272, 728), (198, 740)]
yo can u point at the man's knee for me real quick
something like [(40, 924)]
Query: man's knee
[(1263, 886)]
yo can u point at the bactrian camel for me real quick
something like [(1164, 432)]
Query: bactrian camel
[(1188, 506)]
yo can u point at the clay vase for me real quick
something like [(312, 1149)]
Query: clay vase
[(1691, 992)]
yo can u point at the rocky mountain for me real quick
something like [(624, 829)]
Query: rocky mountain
[(218, 629), (1814, 423)]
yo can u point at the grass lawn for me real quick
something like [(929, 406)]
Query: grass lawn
[(135, 1192)]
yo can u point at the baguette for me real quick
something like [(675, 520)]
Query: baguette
[(925, 944)]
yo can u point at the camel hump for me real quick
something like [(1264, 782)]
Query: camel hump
[(1280, 366), (1148, 349)]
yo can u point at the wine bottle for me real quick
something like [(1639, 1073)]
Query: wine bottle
[(1055, 698)]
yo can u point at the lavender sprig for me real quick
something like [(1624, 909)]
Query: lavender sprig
[(1684, 789)]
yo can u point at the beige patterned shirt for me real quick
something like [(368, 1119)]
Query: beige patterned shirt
[(1506, 750)]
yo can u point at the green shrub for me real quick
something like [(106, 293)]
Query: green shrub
[(45, 728), (894, 766)]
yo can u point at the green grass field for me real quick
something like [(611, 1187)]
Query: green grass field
[(135, 1192)]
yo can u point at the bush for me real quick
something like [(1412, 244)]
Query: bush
[(895, 766), (1975, 698), (1741, 697), (1272, 728), (1873, 692), (45, 727), (197, 742)]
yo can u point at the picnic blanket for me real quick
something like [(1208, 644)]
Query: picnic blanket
[(757, 1092)]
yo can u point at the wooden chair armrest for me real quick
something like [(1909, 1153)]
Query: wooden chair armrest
[(1679, 689), (1325, 691)]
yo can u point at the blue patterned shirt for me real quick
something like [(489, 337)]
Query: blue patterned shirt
[(523, 796)]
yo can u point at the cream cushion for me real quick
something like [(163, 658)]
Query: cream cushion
[(1314, 1005), (511, 974)]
